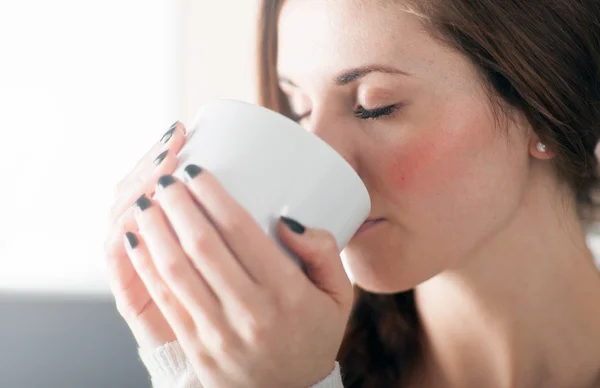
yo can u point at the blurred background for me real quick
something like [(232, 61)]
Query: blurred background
[(85, 88)]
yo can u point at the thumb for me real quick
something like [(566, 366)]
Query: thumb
[(319, 252)]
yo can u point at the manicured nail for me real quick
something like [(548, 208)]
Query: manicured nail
[(192, 171), (165, 181), (143, 203), (160, 158), (132, 240), (167, 136), (295, 226)]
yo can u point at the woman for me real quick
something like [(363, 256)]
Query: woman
[(473, 125)]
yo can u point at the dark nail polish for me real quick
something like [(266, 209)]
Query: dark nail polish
[(160, 158), (143, 202), (192, 171), (132, 240), (167, 136), (295, 226), (165, 181)]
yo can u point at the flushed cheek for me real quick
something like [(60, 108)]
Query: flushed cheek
[(429, 163)]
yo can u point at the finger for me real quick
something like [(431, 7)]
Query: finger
[(120, 271), (171, 308), (114, 235), (143, 183), (173, 139), (173, 265), (161, 159), (319, 252), (254, 249), (131, 297), (202, 243), (179, 291)]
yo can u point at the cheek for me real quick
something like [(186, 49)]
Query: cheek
[(456, 159), (428, 161)]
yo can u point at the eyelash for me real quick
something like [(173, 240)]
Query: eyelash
[(365, 114), (359, 113)]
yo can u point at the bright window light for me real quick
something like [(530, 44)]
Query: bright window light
[(85, 88)]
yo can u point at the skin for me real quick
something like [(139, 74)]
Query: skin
[(133, 302), (475, 218), (224, 288), (204, 273)]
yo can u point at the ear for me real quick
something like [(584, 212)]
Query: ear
[(540, 150), (537, 148)]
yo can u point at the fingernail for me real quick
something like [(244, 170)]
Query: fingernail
[(192, 171), (165, 181), (143, 203), (167, 136), (132, 240), (160, 158), (295, 226)]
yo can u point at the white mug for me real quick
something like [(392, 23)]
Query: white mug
[(273, 167)]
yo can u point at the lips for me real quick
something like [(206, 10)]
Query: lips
[(368, 224)]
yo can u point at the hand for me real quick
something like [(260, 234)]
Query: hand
[(145, 320), (244, 313)]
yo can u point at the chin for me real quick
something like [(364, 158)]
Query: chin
[(387, 269), (380, 289), (384, 260), (377, 277)]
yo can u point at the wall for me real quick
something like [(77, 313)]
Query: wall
[(217, 57)]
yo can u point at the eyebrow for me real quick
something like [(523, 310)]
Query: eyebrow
[(352, 75)]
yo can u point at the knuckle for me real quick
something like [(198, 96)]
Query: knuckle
[(199, 243), (125, 309), (256, 322), (122, 308), (201, 357), (113, 241), (171, 270), (112, 245), (254, 327), (329, 243), (222, 344), (162, 294), (234, 225)]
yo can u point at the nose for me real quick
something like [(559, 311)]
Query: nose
[(333, 130)]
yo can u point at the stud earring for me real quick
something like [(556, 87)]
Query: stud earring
[(541, 147)]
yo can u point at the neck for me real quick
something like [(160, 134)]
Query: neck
[(523, 311)]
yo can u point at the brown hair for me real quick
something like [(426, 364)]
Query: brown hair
[(540, 56)]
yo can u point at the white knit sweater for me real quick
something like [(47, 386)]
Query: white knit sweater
[(169, 368)]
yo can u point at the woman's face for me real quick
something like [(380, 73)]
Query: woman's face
[(443, 176)]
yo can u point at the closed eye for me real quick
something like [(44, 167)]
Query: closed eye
[(360, 113), (365, 114)]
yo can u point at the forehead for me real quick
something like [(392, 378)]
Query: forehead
[(329, 35)]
